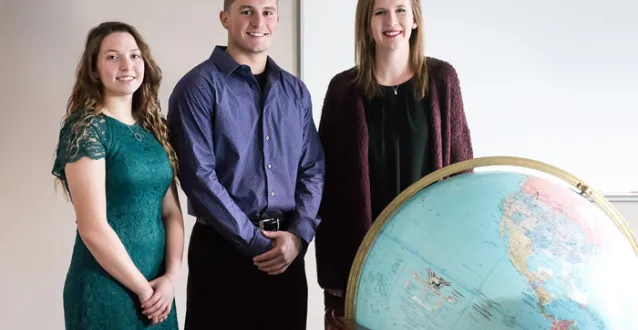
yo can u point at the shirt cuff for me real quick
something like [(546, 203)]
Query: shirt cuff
[(302, 229), (260, 245)]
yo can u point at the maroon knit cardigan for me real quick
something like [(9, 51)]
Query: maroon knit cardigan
[(345, 209)]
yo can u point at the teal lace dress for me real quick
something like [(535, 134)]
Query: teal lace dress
[(138, 175)]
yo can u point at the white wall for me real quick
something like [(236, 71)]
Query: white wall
[(551, 81)]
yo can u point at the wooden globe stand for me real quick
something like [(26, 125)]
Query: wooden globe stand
[(334, 322)]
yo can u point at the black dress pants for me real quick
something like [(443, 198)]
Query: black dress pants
[(226, 291)]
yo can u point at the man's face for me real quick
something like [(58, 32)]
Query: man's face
[(251, 24)]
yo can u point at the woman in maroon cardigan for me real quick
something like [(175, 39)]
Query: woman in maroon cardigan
[(392, 119)]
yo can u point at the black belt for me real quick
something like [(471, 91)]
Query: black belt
[(270, 223)]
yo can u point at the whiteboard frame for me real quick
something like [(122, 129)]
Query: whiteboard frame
[(622, 197), (301, 42)]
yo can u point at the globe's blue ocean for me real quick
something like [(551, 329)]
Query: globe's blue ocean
[(495, 250)]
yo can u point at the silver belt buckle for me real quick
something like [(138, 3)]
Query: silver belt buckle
[(261, 223)]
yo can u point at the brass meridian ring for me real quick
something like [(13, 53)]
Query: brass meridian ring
[(447, 171)]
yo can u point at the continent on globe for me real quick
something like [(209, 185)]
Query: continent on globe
[(536, 228)]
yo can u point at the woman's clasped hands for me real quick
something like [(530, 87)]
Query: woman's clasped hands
[(156, 304)]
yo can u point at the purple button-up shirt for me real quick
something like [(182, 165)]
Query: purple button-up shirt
[(246, 152)]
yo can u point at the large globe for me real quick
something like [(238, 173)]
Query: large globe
[(500, 249)]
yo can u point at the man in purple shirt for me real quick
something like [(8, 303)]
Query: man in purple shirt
[(252, 167)]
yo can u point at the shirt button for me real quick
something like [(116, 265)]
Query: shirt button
[(272, 193), (269, 166), (267, 137)]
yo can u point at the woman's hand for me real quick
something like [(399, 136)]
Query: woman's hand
[(159, 305), (145, 295)]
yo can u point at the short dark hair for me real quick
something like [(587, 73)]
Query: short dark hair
[(228, 3)]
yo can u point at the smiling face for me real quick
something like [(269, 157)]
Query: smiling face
[(251, 25), (120, 65), (391, 23)]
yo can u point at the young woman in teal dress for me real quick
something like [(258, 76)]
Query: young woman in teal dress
[(119, 171)]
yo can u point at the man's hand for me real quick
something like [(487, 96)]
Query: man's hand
[(286, 247)]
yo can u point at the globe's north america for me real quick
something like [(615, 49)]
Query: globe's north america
[(498, 250)]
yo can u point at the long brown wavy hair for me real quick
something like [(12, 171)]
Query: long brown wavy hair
[(87, 98), (365, 51)]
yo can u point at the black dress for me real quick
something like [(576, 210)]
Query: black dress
[(399, 143)]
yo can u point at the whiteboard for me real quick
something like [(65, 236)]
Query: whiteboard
[(553, 81)]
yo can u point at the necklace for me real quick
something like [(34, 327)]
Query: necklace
[(395, 89), (136, 134)]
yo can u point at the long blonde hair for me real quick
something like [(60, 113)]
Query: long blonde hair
[(87, 97), (365, 51)]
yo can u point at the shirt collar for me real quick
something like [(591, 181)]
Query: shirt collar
[(227, 63)]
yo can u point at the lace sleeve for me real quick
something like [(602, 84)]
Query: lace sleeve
[(84, 137)]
